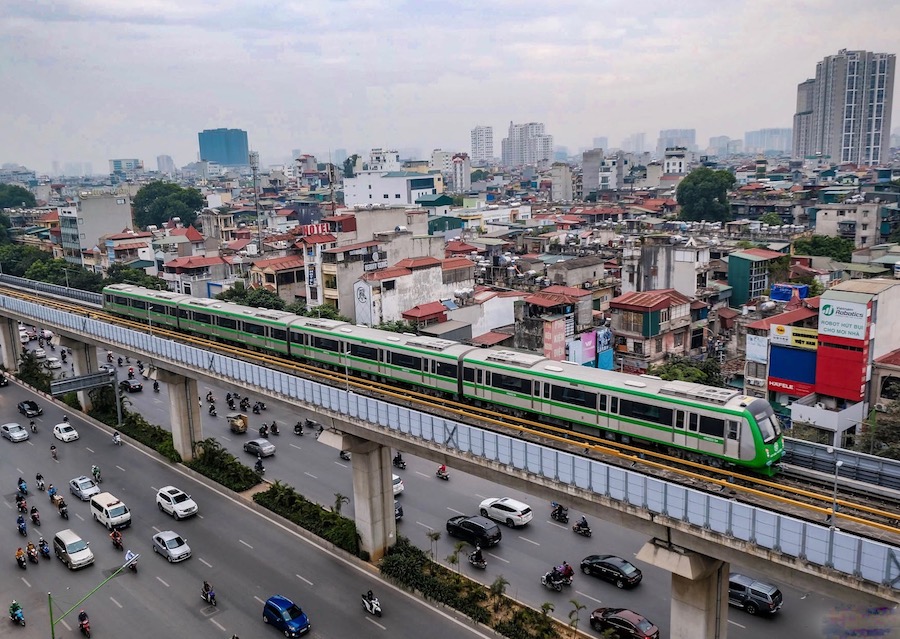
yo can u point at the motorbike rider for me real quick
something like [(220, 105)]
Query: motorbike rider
[(43, 547), (34, 513), (23, 487), (477, 556), (582, 523), (61, 506), (39, 480), (442, 469), (129, 555), (274, 427), (398, 459), (95, 471), (82, 618), (20, 554), (155, 386), (263, 430), (20, 521), (559, 511), (298, 428), (31, 550), (116, 537), (117, 439), (212, 410), (14, 607), (20, 499), (370, 596), (206, 589), (259, 464)]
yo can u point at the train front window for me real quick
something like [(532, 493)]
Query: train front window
[(769, 427)]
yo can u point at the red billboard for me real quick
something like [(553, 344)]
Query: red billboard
[(794, 389)]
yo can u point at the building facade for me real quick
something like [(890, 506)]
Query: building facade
[(228, 147), (526, 144), (668, 138), (560, 182), (92, 216), (847, 109), (768, 140), (483, 144), (460, 173), (165, 164)]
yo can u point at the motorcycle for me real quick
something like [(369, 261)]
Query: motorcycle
[(399, 463), (552, 580), (345, 455), (559, 513), (259, 468), (23, 529), (36, 518), (22, 506), (23, 489), (40, 484), (17, 617), (262, 405), (117, 543), (372, 606), (95, 472), (274, 428), (256, 410), (245, 404), (23, 564), (33, 426), (584, 531), (263, 431), (442, 474), (117, 439), (64, 512), (298, 429), (85, 628), (32, 555), (212, 410), (478, 564), (209, 597), (44, 550), (155, 387)]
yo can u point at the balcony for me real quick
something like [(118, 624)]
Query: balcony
[(847, 230)]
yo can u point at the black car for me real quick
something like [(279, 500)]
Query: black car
[(398, 511), (624, 624), (30, 408), (752, 595), (476, 530), (613, 569), (3, 380), (131, 386)]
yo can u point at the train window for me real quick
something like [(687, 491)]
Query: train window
[(679, 419), (255, 329), (468, 374), (406, 361), (546, 390), (227, 322), (158, 308), (183, 313), (603, 403), (122, 301), (692, 424), (279, 333), (366, 352), (574, 396), (510, 383), (202, 318), (614, 404), (446, 370), (326, 344), (733, 429), (139, 304), (297, 338), (645, 412), (712, 426), (479, 374)]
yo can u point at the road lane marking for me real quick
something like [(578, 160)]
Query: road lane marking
[(588, 597), (25, 581), (340, 464), (259, 600), (227, 439), (528, 540), (424, 525), (116, 602), (204, 562), (157, 529), (376, 623), (218, 625), (88, 449), (506, 561), (68, 627), (303, 579), (246, 544), (79, 516), (423, 474), (453, 510), (200, 516), (309, 475), (736, 624), (162, 582), (480, 496), (553, 523), (120, 468), (296, 446), (154, 489)]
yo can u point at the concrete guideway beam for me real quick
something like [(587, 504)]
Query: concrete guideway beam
[(184, 411), (699, 590), (373, 490), (9, 345), (84, 359)]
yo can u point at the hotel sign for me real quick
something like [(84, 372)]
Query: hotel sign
[(783, 335)]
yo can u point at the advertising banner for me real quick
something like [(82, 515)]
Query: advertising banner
[(795, 336), (843, 319), (795, 389), (757, 349), (589, 348)]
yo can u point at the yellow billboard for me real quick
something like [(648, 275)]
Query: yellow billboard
[(783, 335)]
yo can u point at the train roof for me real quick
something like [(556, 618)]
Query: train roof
[(131, 290), (388, 339)]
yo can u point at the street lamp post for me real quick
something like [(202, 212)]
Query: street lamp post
[(837, 470), (347, 369), (254, 167)]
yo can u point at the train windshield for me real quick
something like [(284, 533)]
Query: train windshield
[(769, 426)]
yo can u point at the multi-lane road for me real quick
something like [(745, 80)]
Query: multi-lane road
[(249, 555)]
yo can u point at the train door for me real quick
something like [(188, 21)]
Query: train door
[(693, 431), (732, 438), (678, 436)]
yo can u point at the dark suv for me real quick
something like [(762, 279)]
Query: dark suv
[(753, 596), (476, 530)]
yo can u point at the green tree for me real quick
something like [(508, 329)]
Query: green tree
[(32, 371), (61, 273), (703, 195), (123, 274), (575, 615), (815, 288), (837, 248), (5, 224), (480, 174), (323, 310), (458, 200), (881, 433), (16, 259), (349, 163), (13, 196), (340, 500), (255, 297), (771, 218), (705, 371), (497, 590), (397, 326), (158, 202)]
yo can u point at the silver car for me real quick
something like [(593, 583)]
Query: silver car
[(13, 432), (171, 545), (83, 487), (261, 447)]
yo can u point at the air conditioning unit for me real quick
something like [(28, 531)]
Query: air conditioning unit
[(820, 405), (881, 408)]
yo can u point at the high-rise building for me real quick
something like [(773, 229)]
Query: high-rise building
[(526, 144), (165, 164), (590, 172), (765, 140), (560, 182), (441, 161), (126, 169), (718, 145), (482, 144), (228, 147), (635, 143), (845, 112), (670, 138), (601, 142), (461, 176), (92, 215)]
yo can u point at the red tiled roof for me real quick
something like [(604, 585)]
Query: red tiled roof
[(763, 253), (696, 305), (649, 300), (351, 247), (490, 338), (237, 245), (425, 310), (728, 313), (789, 318), (130, 245), (337, 218), (812, 302), (50, 216), (456, 246), (192, 261), (891, 359), (190, 233), (288, 262), (326, 238), (418, 262), (456, 262), (127, 235), (386, 274), (556, 295), (565, 290)]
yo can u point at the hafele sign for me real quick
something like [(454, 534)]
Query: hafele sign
[(843, 319), (789, 387)]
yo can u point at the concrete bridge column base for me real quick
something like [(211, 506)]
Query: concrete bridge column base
[(84, 358), (699, 590), (184, 411), (9, 345)]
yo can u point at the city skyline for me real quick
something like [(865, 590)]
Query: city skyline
[(96, 80)]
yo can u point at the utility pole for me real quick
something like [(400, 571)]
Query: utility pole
[(254, 167)]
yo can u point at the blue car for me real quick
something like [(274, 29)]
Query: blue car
[(286, 616)]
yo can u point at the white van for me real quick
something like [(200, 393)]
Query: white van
[(72, 550), (110, 511)]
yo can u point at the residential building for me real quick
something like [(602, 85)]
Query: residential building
[(545, 320), (460, 173), (718, 145), (92, 215), (635, 143), (390, 188), (483, 144), (857, 222), (199, 276), (228, 147), (649, 325), (283, 275), (165, 165), (849, 119), (654, 262), (131, 248), (768, 140), (126, 169), (526, 144), (441, 161), (676, 160), (749, 273), (560, 182), (590, 172), (669, 138)]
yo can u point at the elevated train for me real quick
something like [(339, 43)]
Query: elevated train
[(716, 426)]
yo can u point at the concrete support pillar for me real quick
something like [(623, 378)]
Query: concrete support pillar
[(373, 495), (9, 344), (82, 362), (184, 410), (699, 590)]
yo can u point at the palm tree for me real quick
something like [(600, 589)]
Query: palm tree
[(574, 615), (546, 628), (453, 558), (497, 590), (339, 501), (433, 536)]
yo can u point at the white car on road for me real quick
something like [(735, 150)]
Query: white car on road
[(65, 432), (506, 510), (175, 502)]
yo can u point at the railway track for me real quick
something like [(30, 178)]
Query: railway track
[(863, 508)]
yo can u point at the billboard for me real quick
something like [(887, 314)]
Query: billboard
[(757, 349), (795, 389), (589, 349), (792, 364), (795, 336), (843, 319)]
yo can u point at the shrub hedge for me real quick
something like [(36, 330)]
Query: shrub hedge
[(213, 461)]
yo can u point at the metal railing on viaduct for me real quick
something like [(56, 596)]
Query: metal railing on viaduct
[(719, 526)]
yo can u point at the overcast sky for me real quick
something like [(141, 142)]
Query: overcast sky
[(90, 80)]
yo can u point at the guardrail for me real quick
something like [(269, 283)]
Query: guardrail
[(53, 289), (860, 467), (812, 543)]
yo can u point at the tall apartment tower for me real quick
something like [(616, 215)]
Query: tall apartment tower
[(482, 144), (526, 144), (849, 118), (228, 147), (670, 138)]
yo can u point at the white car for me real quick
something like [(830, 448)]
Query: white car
[(40, 353), (175, 502), (507, 510), (65, 432), (53, 363), (398, 484)]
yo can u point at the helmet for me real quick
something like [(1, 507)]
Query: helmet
[(41, 540), (14, 602)]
